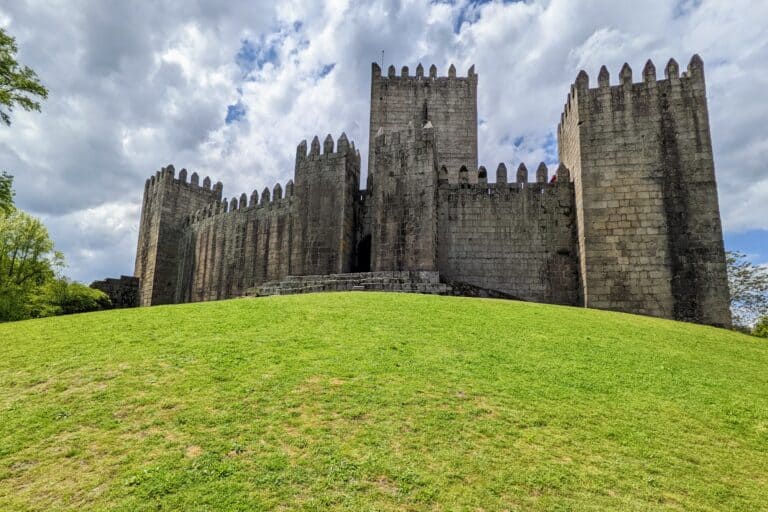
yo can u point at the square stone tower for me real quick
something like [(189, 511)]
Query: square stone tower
[(167, 201), (649, 234), (449, 103)]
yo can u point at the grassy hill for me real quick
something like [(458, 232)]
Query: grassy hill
[(366, 401)]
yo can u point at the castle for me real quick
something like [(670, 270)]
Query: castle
[(628, 220)]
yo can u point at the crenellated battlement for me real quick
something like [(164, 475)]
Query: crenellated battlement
[(341, 149), (266, 201), (166, 175), (627, 91), (419, 76), (641, 155), (449, 103), (476, 181), (628, 220)]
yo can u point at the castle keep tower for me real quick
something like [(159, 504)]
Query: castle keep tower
[(449, 103), (649, 233)]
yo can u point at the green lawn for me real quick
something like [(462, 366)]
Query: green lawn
[(375, 401)]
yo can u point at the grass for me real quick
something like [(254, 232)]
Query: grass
[(366, 401)]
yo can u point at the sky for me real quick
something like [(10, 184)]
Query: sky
[(228, 89)]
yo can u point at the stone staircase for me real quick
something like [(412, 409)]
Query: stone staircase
[(398, 281)]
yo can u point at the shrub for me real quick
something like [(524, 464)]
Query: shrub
[(63, 297), (79, 298), (761, 328)]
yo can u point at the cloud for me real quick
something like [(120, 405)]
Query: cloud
[(229, 89)]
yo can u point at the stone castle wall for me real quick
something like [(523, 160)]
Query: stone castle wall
[(629, 221), (122, 292), (518, 238), (327, 185), (649, 229), (228, 246), (404, 200)]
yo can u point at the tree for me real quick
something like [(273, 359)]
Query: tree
[(19, 85), (27, 261), (748, 284), (6, 193)]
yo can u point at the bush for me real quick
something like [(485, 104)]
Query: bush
[(57, 296), (63, 297), (761, 328), (79, 298)]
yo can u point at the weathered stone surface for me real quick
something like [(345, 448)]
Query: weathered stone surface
[(449, 103), (638, 229), (517, 238), (122, 292), (649, 233), (167, 202), (404, 200)]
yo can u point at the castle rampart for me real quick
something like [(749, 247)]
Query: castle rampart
[(629, 220), (227, 247), (404, 200), (327, 186), (518, 238)]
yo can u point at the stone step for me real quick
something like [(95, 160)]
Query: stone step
[(399, 281)]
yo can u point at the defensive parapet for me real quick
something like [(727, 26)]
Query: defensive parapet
[(404, 200), (167, 202), (327, 184), (231, 245), (448, 102), (515, 237), (650, 238)]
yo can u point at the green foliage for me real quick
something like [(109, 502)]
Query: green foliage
[(15, 302), (27, 255), (28, 262), (6, 193), (761, 328), (19, 85), (748, 285), (71, 297), (57, 296), (376, 401)]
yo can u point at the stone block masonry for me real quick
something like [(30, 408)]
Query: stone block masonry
[(448, 102), (628, 221), (168, 201), (517, 238), (649, 232), (122, 292), (404, 197)]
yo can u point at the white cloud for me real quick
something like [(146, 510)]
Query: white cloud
[(135, 86)]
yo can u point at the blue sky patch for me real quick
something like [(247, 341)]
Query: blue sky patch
[(235, 112), (326, 69), (753, 243), (252, 56)]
